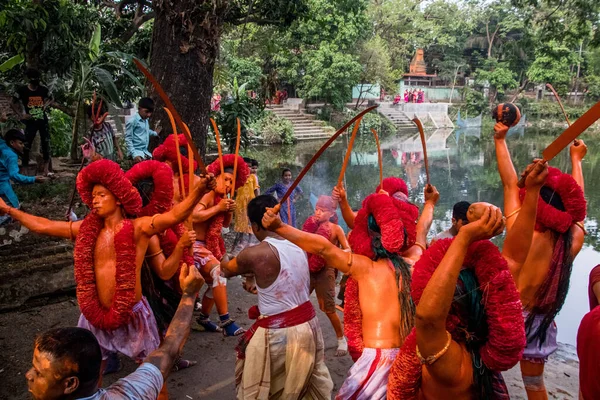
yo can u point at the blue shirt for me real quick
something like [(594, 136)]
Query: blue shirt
[(137, 136), (9, 171), (143, 384)]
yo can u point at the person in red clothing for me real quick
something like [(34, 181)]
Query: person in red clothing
[(588, 343)]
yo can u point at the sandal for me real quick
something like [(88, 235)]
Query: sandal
[(230, 328), (207, 324), (180, 364)]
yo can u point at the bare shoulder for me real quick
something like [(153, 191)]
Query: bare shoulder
[(208, 200), (260, 253)]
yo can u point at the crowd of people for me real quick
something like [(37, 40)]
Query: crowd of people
[(422, 320), (410, 96)]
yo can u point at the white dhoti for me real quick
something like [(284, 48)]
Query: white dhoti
[(286, 363), (368, 377)]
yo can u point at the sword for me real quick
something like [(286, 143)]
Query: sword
[(570, 134), (170, 106), (424, 145)]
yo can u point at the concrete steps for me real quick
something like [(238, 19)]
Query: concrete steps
[(306, 126), (396, 116)]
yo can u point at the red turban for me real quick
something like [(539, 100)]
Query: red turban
[(110, 175), (161, 198), (570, 194), (167, 151)]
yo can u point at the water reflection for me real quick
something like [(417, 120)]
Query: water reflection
[(462, 166)]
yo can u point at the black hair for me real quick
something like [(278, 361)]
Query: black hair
[(32, 74), (88, 109), (14, 134), (77, 345), (254, 163), (551, 197), (146, 188), (459, 211), (284, 171), (468, 302), (258, 206), (147, 103), (247, 160), (402, 272)]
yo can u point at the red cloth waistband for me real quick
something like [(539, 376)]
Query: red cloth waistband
[(296, 316)]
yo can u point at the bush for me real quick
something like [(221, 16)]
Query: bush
[(474, 103), (61, 132), (274, 130)]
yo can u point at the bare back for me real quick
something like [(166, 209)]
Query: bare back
[(265, 263), (379, 304), (461, 389)]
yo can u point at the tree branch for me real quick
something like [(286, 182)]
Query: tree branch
[(137, 22)]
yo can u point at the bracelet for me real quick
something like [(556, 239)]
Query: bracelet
[(421, 246), (431, 359), (513, 213), (152, 221), (580, 224), (154, 254)]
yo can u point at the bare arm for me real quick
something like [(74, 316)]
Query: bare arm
[(432, 311), (239, 265), (43, 226), (154, 225), (341, 238), (339, 195), (424, 223), (164, 267), (312, 243), (518, 239), (164, 357), (205, 210), (508, 175), (578, 150)]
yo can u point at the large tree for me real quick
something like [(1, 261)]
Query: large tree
[(185, 46)]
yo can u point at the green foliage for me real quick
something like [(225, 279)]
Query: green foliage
[(551, 110), (552, 65), (61, 127), (593, 87), (474, 103), (497, 75), (241, 106), (273, 129)]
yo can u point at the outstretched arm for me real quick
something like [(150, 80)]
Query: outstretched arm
[(508, 175), (242, 264), (518, 240), (339, 194), (43, 226), (432, 311), (158, 223), (164, 357), (423, 224), (309, 242)]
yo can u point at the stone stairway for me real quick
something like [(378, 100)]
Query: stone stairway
[(397, 116), (121, 115), (306, 126)]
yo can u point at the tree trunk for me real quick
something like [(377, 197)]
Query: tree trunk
[(185, 45)]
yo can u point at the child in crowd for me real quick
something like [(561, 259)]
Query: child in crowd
[(247, 192)]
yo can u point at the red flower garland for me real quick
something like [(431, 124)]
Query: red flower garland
[(572, 198), (110, 175), (506, 335), (214, 239), (393, 185), (161, 199), (315, 262), (397, 221), (87, 292), (167, 151)]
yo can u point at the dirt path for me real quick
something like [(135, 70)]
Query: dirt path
[(212, 378)]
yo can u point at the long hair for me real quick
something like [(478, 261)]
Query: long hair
[(402, 271)]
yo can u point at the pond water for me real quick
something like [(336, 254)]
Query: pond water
[(462, 167)]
